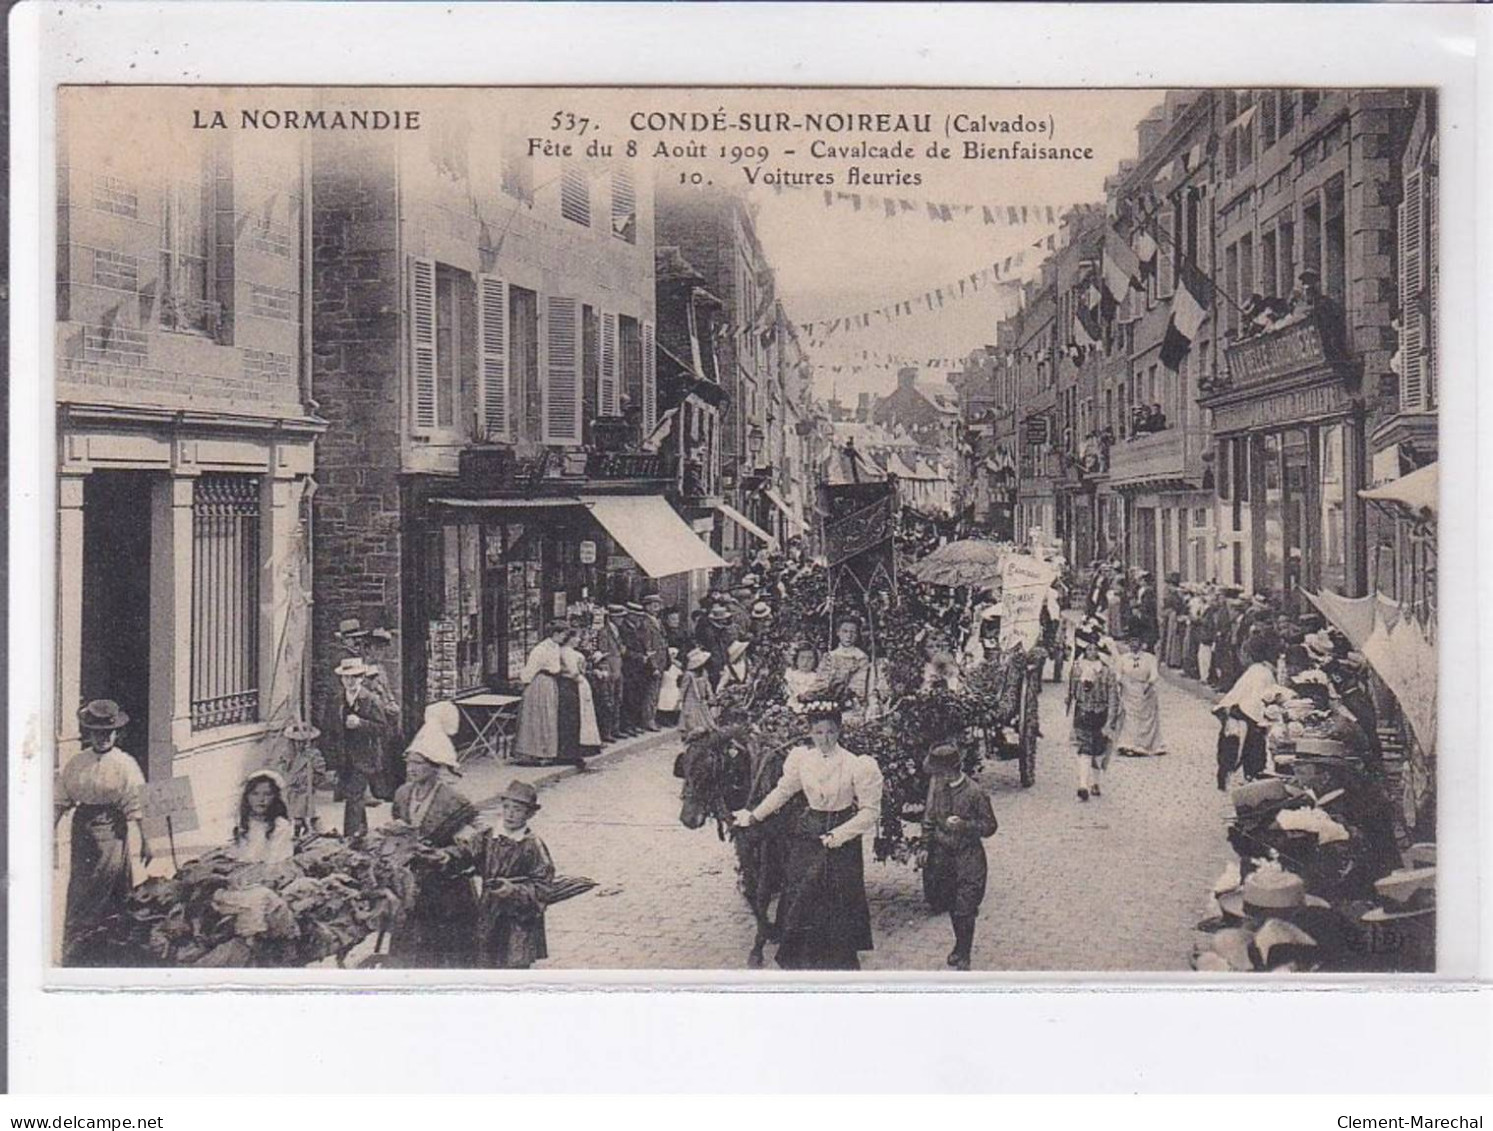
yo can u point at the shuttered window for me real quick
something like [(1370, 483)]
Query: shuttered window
[(494, 406), (1412, 280), (422, 344), (624, 205), (611, 397), (650, 381), (225, 601), (575, 195), (562, 385)]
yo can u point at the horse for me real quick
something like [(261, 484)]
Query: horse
[(726, 771)]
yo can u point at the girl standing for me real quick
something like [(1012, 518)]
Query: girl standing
[(824, 918), (695, 714), (1093, 702)]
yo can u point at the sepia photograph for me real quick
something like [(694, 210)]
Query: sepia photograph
[(763, 530)]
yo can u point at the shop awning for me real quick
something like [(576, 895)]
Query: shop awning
[(794, 522), (652, 534), (747, 524), (1417, 492), (508, 504)]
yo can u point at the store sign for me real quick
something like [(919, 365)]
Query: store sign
[(1037, 429), (588, 553), (1281, 352), (1292, 406)]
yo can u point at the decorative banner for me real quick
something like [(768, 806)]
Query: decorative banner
[(1025, 583)]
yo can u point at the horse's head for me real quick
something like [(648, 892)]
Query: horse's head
[(715, 770)]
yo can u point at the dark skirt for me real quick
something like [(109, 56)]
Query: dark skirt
[(440, 930), (824, 917), (568, 722), (1088, 733), (100, 878)]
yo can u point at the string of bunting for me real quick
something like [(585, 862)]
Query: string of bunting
[(1003, 272), (889, 208)]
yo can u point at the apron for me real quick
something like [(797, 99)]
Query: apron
[(100, 880)]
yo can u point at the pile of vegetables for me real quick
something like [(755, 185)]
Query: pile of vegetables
[(219, 911)]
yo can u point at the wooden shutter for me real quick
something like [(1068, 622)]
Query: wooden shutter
[(1412, 274), (562, 385), (422, 343), (610, 401), (1431, 266), (492, 360), (650, 381)]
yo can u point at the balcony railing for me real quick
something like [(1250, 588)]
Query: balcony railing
[(1151, 456), (1296, 345)]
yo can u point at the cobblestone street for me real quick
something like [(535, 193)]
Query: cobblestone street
[(1114, 884)]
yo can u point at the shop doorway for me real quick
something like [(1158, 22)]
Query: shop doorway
[(116, 599), (1145, 538)]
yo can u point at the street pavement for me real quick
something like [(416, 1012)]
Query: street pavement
[(1113, 884)]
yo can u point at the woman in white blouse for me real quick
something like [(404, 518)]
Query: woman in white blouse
[(825, 920)]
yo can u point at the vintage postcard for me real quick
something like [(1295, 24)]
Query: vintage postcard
[(745, 531)]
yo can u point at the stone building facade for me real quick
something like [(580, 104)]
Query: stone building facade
[(186, 437)]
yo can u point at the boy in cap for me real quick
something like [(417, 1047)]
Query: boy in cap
[(516, 866), (956, 821)]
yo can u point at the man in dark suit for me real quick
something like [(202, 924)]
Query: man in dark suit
[(656, 653)]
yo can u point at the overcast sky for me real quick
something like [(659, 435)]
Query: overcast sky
[(834, 261)]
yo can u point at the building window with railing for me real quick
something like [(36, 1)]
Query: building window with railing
[(225, 601)]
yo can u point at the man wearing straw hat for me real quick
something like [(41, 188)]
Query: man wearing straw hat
[(364, 730)]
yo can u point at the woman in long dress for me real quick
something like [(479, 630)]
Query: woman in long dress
[(102, 786), (439, 927), (549, 712), (824, 917), (588, 735), (1137, 674)]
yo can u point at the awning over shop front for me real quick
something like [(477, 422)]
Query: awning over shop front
[(652, 534), (747, 524), (508, 504), (1418, 493), (794, 522)]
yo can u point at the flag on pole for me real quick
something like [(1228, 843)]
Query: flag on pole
[(1121, 266), (1145, 253), (1189, 309)]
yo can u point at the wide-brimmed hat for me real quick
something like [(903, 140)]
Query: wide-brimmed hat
[(634, 607), (382, 635), (698, 658), (102, 714), (652, 599), (736, 650), (761, 611), (616, 610), (302, 732), (351, 627), (751, 580), (274, 777), (351, 665), (523, 793), (720, 614)]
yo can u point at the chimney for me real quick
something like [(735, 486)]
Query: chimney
[(906, 376)]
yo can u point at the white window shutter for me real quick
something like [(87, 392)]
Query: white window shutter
[(562, 385), (492, 342), (422, 343), (610, 401), (1412, 345), (650, 381)]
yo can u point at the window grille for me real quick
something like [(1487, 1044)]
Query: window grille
[(225, 601)]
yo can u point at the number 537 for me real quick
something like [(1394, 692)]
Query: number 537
[(565, 121)]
